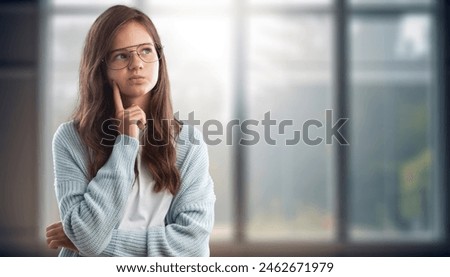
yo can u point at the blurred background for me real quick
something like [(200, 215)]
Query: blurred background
[(383, 64)]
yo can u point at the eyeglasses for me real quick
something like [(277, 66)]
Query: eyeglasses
[(121, 58)]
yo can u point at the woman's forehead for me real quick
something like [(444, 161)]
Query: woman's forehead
[(132, 33)]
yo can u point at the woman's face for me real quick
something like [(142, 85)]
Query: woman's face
[(138, 77)]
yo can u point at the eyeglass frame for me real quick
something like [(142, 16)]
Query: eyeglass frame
[(157, 49)]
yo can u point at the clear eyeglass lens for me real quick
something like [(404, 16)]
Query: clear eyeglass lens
[(121, 59)]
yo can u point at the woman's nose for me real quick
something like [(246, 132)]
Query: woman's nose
[(135, 60)]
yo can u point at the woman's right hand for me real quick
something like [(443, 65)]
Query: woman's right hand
[(130, 119), (57, 238)]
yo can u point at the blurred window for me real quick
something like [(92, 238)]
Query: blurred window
[(242, 60)]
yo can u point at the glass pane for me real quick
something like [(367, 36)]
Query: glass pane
[(392, 2), (67, 35), (177, 3), (292, 2), (290, 186), (105, 3), (199, 57), (66, 38), (393, 189)]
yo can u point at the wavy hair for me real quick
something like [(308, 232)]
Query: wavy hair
[(96, 104)]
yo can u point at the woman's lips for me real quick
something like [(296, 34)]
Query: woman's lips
[(137, 79)]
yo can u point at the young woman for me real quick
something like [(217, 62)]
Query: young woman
[(130, 179)]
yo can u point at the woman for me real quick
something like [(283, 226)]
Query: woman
[(130, 179)]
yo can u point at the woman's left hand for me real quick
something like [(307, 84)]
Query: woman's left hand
[(57, 238)]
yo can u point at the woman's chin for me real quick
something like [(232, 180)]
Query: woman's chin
[(136, 93)]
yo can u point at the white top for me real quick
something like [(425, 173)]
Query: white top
[(144, 206)]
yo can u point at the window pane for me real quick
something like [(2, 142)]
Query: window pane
[(290, 187), (392, 2), (105, 3), (67, 35), (197, 3), (291, 2), (198, 53), (393, 189)]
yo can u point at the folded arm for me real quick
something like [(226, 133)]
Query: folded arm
[(91, 209)]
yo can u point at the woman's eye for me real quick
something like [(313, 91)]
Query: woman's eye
[(120, 56), (146, 51)]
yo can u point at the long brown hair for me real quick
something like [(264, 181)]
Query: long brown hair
[(96, 104)]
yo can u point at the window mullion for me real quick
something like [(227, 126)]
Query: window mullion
[(239, 151), (342, 111)]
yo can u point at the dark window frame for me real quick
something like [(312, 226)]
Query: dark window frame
[(341, 12)]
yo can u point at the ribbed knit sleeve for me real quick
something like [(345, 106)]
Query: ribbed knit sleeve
[(191, 216), (90, 210)]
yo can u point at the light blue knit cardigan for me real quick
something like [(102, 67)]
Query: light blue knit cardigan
[(91, 210)]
